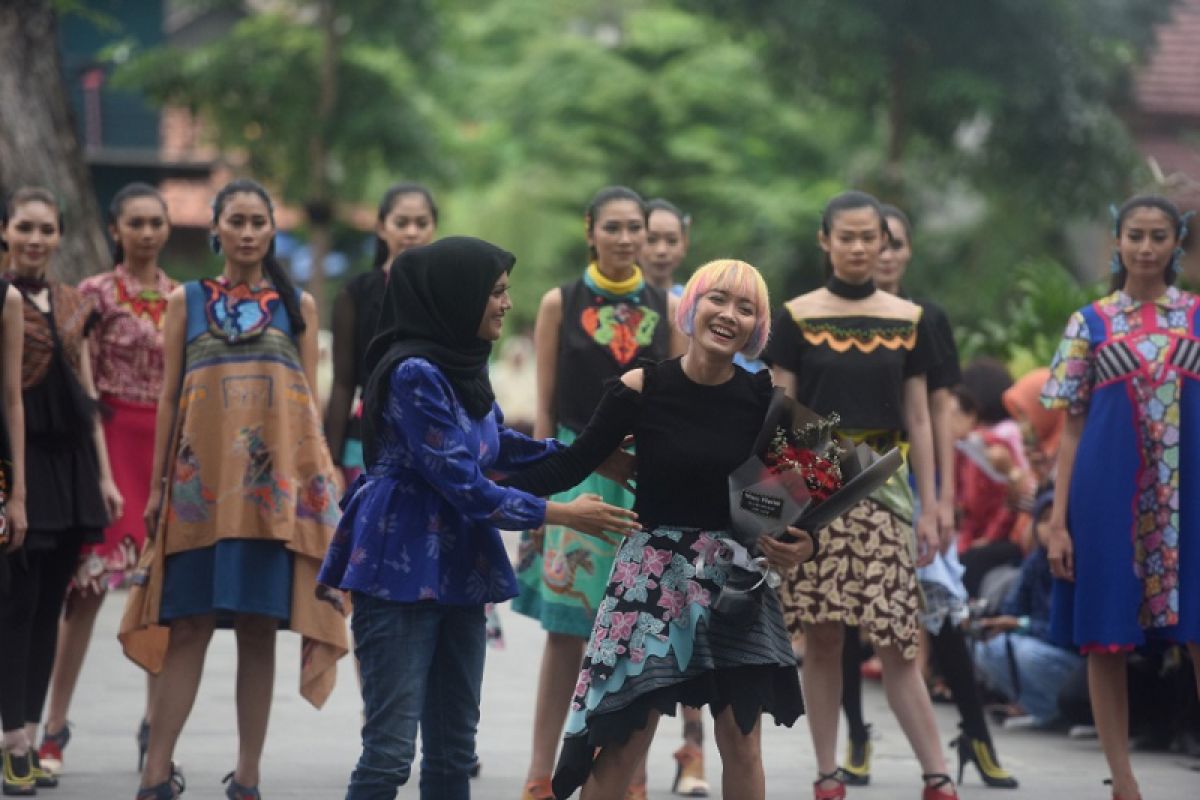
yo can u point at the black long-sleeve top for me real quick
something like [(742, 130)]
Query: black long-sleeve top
[(688, 438)]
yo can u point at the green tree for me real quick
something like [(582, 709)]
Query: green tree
[(1024, 95), (664, 100), (318, 99)]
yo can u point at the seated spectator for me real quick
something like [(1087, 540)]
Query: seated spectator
[(1017, 659), (989, 481)]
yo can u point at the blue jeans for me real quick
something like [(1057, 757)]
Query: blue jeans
[(421, 666), (1043, 670)]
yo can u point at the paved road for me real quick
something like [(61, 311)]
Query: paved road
[(309, 753)]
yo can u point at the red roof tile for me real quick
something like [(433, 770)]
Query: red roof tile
[(1170, 83)]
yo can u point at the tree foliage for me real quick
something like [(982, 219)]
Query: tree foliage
[(257, 89), (995, 123)]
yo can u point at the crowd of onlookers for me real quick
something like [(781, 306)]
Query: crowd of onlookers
[(1006, 447)]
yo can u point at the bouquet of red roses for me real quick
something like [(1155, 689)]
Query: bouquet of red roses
[(802, 474)]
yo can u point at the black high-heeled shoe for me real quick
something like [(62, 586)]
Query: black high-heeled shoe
[(983, 755), (143, 742), (169, 789), (235, 791)]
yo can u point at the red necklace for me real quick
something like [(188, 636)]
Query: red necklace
[(147, 304)]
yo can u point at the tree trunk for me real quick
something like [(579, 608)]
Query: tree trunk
[(38, 145), (320, 205)]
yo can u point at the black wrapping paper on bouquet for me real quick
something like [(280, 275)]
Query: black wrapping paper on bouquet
[(765, 500)]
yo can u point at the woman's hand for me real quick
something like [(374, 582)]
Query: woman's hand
[(113, 501), (620, 468), (153, 508), (18, 523), (928, 542), (1060, 550), (947, 526), (591, 515), (1002, 624), (783, 556)]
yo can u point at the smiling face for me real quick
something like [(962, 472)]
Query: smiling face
[(893, 261), (724, 321), (141, 229), (32, 235), (854, 243), (498, 304), (617, 234), (409, 223), (1146, 243), (666, 245), (245, 229)]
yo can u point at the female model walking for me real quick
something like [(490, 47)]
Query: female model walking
[(407, 218), (127, 363), (242, 495), (1124, 533), (71, 496), (587, 332), (862, 353)]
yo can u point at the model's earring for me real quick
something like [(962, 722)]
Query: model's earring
[(214, 242)]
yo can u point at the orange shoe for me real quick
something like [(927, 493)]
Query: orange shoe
[(689, 774), (537, 789)]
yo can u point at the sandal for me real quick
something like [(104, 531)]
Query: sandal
[(236, 791), (167, 790)]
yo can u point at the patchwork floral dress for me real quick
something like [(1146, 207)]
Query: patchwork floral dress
[(1132, 369)]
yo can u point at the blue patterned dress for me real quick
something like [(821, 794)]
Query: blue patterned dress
[(1133, 370), (421, 523)]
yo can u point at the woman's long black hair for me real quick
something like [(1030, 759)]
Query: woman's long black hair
[(389, 199), (849, 201), (129, 192), (271, 266)]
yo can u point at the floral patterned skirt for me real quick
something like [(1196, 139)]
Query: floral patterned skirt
[(129, 437), (864, 575), (656, 644)]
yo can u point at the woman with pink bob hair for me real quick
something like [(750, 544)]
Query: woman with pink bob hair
[(658, 642)]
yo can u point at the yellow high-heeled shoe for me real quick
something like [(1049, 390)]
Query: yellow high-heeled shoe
[(983, 756), (18, 779)]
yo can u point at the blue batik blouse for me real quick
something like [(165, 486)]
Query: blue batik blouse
[(421, 523)]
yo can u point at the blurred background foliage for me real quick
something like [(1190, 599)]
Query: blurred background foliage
[(995, 123)]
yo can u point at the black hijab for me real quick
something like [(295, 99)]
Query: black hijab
[(435, 299)]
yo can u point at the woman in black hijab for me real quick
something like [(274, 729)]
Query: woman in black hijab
[(418, 547)]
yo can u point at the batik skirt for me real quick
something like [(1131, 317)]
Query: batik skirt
[(657, 643)]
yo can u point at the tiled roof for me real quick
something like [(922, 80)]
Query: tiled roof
[(1170, 83)]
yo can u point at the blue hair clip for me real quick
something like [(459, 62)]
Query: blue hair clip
[(1116, 218)]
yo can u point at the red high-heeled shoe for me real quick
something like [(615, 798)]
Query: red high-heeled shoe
[(838, 792), (934, 783)]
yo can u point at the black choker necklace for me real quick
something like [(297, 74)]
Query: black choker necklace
[(29, 284), (850, 291)]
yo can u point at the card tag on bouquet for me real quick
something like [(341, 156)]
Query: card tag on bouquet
[(763, 503)]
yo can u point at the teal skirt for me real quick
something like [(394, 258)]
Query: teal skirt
[(234, 576), (562, 575)]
